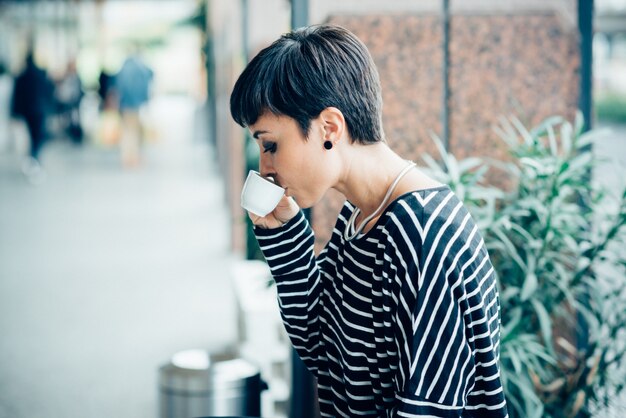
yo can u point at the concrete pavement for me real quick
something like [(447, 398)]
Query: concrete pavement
[(105, 273)]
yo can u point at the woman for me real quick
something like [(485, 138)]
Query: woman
[(399, 314)]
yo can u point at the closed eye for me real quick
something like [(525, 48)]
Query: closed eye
[(269, 147)]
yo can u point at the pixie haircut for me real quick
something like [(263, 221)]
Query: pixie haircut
[(306, 71)]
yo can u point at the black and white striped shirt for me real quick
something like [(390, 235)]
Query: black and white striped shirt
[(402, 321)]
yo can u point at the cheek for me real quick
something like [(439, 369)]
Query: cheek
[(297, 162), (318, 180), (304, 169)]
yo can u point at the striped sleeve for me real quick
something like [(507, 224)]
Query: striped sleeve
[(289, 251), (442, 264), (403, 271)]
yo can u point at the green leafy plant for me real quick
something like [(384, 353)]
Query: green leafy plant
[(557, 244)]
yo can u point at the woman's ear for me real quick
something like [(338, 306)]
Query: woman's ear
[(333, 123)]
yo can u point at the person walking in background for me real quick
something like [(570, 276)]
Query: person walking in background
[(109, 130), (132, 84), (6, 92), (106, 88), (69, 93), (32, 99)]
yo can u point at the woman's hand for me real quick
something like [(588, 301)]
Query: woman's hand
[(286, 210)]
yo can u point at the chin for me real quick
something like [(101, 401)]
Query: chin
[(304, 202)]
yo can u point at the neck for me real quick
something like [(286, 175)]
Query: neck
[(367, 175)]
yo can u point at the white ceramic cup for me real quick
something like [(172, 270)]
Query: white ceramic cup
[(260, 195)]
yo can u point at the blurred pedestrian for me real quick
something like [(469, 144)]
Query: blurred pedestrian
[(109, 126), (32, 99), (6, 91), (132, 84), (106, 83), (69, 93)]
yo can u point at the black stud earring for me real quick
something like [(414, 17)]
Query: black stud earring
[(328, 144)]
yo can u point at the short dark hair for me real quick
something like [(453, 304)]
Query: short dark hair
[(306, 71)]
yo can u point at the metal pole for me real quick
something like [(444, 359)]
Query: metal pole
[(245, 22), (445, 106), (585, 26), (303, 403), (299, 13), (585, 104), (300, 18), (209, 50)]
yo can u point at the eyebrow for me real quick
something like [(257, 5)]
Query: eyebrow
[(256, 134)]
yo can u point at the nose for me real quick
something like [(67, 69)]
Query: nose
[(266, 168)]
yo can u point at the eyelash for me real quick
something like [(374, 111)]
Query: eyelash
[(271, 148)]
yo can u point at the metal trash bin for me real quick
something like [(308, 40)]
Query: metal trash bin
[(197, 383)]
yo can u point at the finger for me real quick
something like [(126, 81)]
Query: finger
[(284, 202), (292, 202)]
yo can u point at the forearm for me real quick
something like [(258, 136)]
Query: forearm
[(290, 256)]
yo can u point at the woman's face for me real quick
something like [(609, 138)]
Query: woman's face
[(298, 164)]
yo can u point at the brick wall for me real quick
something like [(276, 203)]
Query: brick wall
[(509, 64)]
